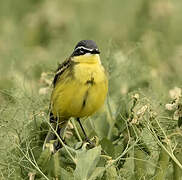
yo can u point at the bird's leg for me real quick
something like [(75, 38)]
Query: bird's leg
[(58, 145), (86, 137), (60, 129), (51, 136), (91, 144)]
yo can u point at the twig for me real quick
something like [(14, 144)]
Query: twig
[(76, 130), (112, 119), (124, 152), (62, 143), (160, 143), (36, 167)]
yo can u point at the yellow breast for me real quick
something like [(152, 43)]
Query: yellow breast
[(83, 93)]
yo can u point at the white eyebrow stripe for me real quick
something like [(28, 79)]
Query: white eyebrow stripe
[(83, 48)]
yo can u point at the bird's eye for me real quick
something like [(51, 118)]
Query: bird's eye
[(81, 51)]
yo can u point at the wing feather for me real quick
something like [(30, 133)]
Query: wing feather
[(61, 68)]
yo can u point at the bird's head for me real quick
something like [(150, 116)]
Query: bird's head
[(86, 51)]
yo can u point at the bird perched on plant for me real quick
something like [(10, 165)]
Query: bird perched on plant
[(80, 87)]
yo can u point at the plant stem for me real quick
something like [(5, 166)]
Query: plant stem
[(36, 167), (62, 143), (76, 130)]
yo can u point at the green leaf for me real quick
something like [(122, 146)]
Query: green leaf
[(98, 173), (107, 146), (86, 163), (55, 168), (44, 159), (118, 149), (50, 164), (111, 173), (162, 167), (65, 175)]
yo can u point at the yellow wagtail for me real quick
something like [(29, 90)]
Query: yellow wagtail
[(80, 88)]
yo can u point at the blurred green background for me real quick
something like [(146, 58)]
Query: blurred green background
[(140, 43)]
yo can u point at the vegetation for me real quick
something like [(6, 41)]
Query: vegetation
[(137, 133)]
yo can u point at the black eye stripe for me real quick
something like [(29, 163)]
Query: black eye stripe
[(82, 50)]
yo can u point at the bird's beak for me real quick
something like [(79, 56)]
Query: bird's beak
[(95, 51)]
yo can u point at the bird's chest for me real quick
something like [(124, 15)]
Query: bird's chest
[(91, 89), (89, 74)]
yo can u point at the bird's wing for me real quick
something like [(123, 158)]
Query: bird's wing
[(61, 68), (53, 120), (59, 72)]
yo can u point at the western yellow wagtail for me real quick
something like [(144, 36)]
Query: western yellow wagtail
[(80, 87)]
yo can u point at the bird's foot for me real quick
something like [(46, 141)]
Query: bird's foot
[(90, 143)]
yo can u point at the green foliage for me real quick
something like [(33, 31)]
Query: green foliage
[(86, 162), (138, 131)]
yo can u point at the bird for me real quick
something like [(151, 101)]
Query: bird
[(80, 87)]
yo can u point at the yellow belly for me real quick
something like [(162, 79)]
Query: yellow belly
[(77, 96)]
